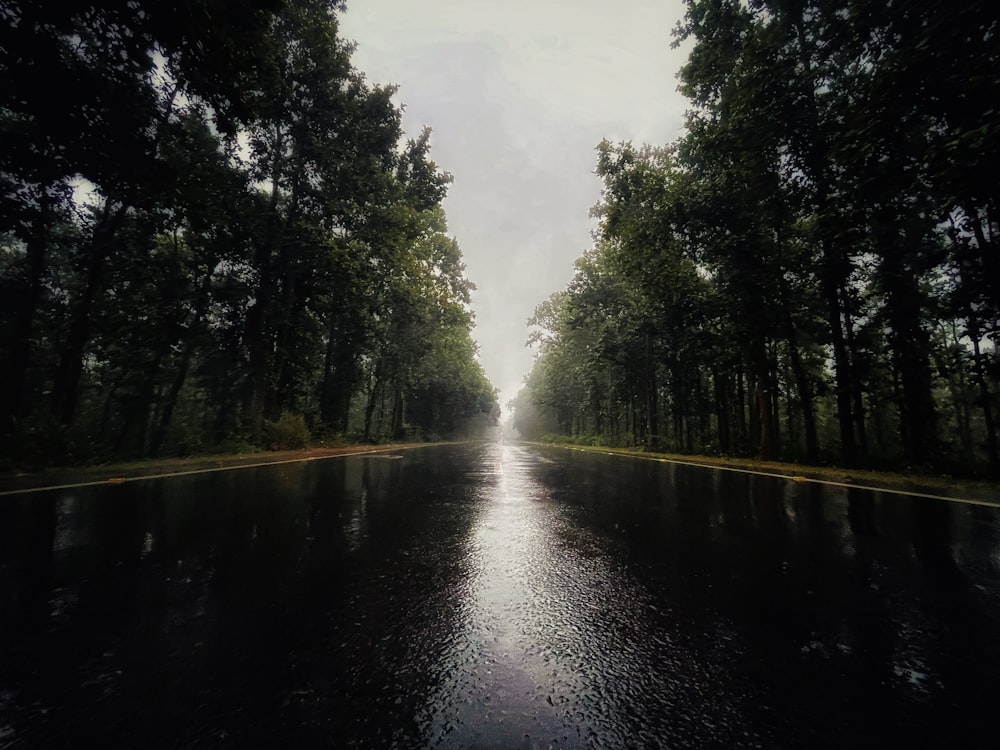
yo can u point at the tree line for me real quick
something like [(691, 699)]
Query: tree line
[(811, 271), (213, 234)]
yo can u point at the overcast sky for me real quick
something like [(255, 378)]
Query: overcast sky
[(518, 94)]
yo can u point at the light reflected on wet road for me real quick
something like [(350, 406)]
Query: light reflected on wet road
[(496, 596), (559, 644)]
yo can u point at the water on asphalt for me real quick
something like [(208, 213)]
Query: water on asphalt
[(496, 596)]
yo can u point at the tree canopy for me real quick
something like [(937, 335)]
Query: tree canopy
[(810, 271), (211, 223)]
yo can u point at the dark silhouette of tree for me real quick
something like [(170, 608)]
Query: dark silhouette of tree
[(809, 272), (209, 222)]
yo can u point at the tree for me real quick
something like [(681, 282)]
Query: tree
[(819, 239), (210, 222)]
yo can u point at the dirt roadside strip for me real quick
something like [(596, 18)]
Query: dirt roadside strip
[(969, 492), (16, 483)]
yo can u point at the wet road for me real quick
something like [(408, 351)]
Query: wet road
[(496, 596)]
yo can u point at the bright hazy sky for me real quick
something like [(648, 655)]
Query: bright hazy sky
[(518, 94)]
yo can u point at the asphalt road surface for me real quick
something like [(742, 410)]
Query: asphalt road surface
[(490, 595)]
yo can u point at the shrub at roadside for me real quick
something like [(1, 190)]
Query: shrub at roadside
[(290, 432)]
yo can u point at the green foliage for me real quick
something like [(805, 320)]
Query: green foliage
[(40, 443), (289, 432), (810, 272), (257, 243)]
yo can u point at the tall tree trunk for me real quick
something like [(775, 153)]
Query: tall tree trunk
[(722, 412), (134, 431), (170, 401), (373, 393), (988, 256), (766, 448), (801, 377), (833, 265), (776, 396), (911, 347), (652, 407), (986, 402), (162, 424), (633, 418), (259, 317), (66, 386), (69, 371), (841, 362), (397, 410), (596, 408), (953, 373), (741, 410), (857, 391), (14, 402), (340, 374)]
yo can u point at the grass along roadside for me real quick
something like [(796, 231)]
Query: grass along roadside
[(15, 482), (975, 491)]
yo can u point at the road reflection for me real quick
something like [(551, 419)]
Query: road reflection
[(879, 609), (559, 643)]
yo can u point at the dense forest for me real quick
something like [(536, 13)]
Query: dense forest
[(213, 235), (811, 271)]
